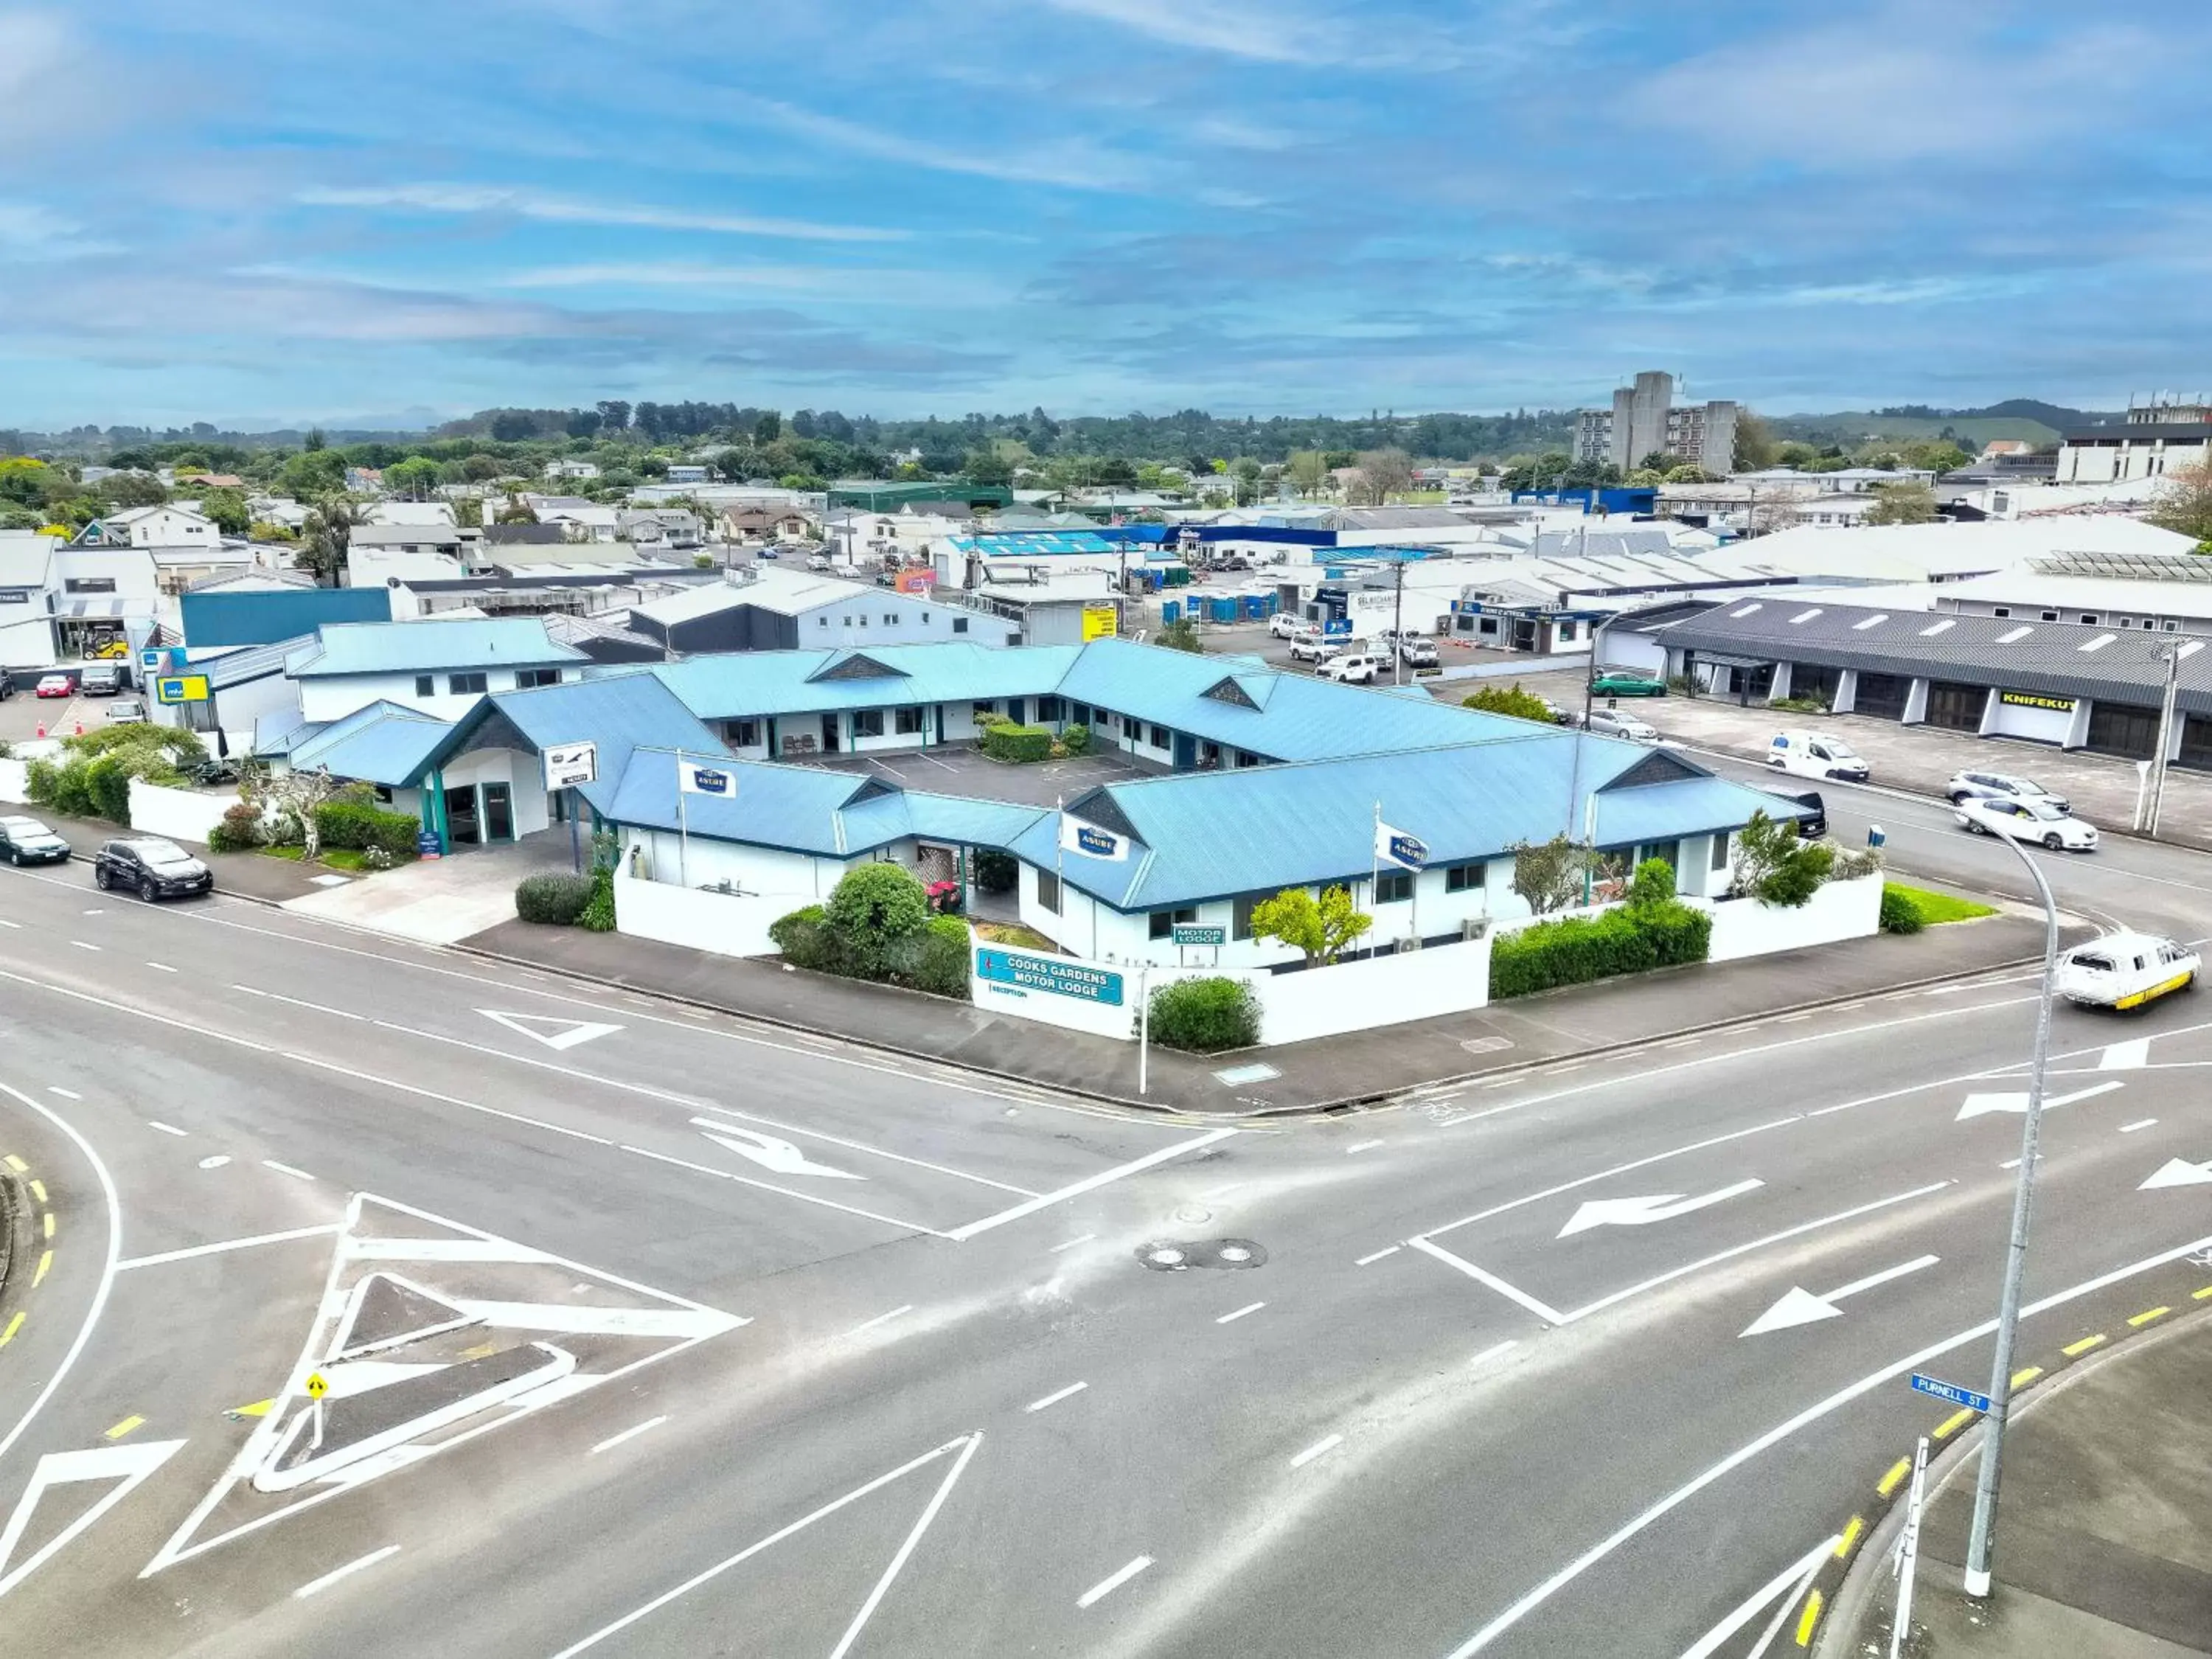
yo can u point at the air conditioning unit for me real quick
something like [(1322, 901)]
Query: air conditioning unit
[(1474, 927)]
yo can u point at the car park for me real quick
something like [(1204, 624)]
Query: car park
[(1810, 755), (1613, 723), (125, 711), (1312, 648), (1626, 683), (1354, 668), (151, 867), (57, 685), (2000, 786), (26, 841), (2038, 821), (2126, 970)]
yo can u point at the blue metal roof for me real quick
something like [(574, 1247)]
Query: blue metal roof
[(407, 648), (792, 807), (1032, 543), (752, 683), (382, 743), (621, 713), (266, 616)]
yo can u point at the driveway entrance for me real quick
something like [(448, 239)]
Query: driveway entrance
[(441, 901)]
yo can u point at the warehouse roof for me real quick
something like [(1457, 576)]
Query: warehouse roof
[(407, 647)]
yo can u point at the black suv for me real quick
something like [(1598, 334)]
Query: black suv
[(1815, 826), (157, 869)]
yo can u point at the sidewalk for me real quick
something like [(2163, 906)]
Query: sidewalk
[(1337, 1070), (2103, 1545)]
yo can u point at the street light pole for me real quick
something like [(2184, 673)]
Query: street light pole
[(2165, 710), (1985, 1486)]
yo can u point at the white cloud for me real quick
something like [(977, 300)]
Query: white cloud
[(565, 209), (1071, 167), (902, 287), (1208, 26)]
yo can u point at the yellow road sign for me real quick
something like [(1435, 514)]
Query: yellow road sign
[(317, 1387)]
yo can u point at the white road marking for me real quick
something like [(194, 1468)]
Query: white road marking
[(630, 1433), (966, 1444), (1362, 1146), (1495, 1351), (873, 1151), (133, 1463), (1543, 1310), (767, 1150), (1055, 1399), (2125, 1056), (5, 922), (216, 1162), (1802, 1307), (1979, 1105), (285, 1169), (314, 1585), (1249, 1307), (2140, 1123), (441, 1249), (1069, 1244), (228, 1244), (920, 1526), (881, 1319), (1090, 1184), (162, 967), (296, 1002), (1582, 1564), (166, 1129), (1105, 1586), (1317, 1450), (81, 946), (572, 1031), (66, 1094), (1643, 1211), (694, 1324), (771, 1187), (1387, 1249), (449, 1100), (1791, 1578)]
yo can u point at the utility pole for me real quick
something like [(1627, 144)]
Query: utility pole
[(2165, 710), (1397, 630)]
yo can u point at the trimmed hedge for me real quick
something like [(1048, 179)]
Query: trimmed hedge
[(1205, 1015), (552, 900), (933, 958), (1900, 915), (1631, 940), (941, 960), (358, 827), (1004, 740), (1075, 739)]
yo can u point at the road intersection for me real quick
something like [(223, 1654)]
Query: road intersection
[(857, 1356)]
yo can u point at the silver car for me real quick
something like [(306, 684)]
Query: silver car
[(2001, 785)]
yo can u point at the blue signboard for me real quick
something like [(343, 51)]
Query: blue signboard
[(1408, 850), (1950, 1391), (1060, 979), (427, 844), (1337, 628), (1187, 933)]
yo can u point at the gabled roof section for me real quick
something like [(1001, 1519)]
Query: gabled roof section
[(408, 647), (382, 743), (1241, 691), (857, 666), (1660, 766), (1099, 807)]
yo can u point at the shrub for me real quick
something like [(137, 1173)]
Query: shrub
[(1654, 883), (239, 831), (552, 900), (1799, 705), (996, 872), (1498, 700), (1578, 949), (874, 911), (1205, 1015), (940, 964), (1900, 915), (375, 858), (1005, 741), (359, 825), (1076, 739), (598, 914)]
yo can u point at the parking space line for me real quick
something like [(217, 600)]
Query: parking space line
[(1105, 1586), (1318, 1449), (630, 1433), (315, 1585), (1248, 1307), (1055, 1399)]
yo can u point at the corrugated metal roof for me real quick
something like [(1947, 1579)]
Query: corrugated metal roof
[(622, 713), (406, 647), (380, 743), (791, 807), (750, 683)]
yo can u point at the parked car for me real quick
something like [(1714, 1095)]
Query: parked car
[(1312, 648), (766, 553), (2126, 970), (1626, 683), (1613, 723), (1287, 624), (1814, 825), (2000, 786), (125, 711), (101, 679), (208, 773), (1354, 668), (57, 685), (154, 868), (2026, 820), (26, 841), (818, 562), (1417, 653), (1811, 756), (1556, 714)]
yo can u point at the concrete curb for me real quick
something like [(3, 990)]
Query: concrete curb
[(1838, 1595)]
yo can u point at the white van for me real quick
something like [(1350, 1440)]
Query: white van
[(2126, 970), (1810, 755)]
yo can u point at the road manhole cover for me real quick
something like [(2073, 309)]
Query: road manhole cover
[(1233, 1253)]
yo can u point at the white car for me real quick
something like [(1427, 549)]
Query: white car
[(2001, 785), (1814, 755), (2039, 821), (2126, 970), (1288, 625), (1354, 668), (1417, 653), (1312, 648), (1613, 723)]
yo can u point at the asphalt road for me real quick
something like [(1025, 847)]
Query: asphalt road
[(843, 1356)]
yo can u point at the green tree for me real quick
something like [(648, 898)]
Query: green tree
[(1550, 875), (1520, 705), (314, 439), (1308, 472), (1322, 928), (326, 535), (227, 507), (1776, 867), (1903, 503), (468, 511), (986, 466), (2185, 502), (1181, 635), (1246, 472), (415, 479), (1686, 474), (1383, 473), (875, 909), (26, 481)]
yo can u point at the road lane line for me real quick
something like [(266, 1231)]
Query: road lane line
[(14, 1324), (314, 1585), (137, 1013), (881, 1319), (1362, 1146), (81, 946), (1495, 1351), (2140, 1123), (1105, 1586), (165, 1128), (771, 1187), (1882, 1278), (1320, 1448), (1069, 1244), (1090, 1184), (66, 1094), (906, 1549), (162, 967), (1387, 1249), (285, 1169), (5, 922), (449, 1100), (2144, 1318), (47, 1222), (229, 1244), (967, 1445), (630, 1433), (874, 1151), (45, 1265), (1055, 1399), (1544, 1311), (316, 1007), (1248, 1307), (1658, 1511)]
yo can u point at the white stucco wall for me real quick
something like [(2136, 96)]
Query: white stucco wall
[(1840, 910), (179, 814), (793, 879), (718, 922), (333, 697), (15, 786)]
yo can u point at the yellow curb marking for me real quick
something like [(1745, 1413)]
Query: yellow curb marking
[(38, 1191), (2083, 1345), (1809, 1618), (1848, 1541), (2145, 1317), (258, 1408), (8, 1335), (49, 1221), (16, 1164), (124, 1427), (45, 1261), (2022, 1377), (2199, 1296), (1956, 1421), (1897, 1471)]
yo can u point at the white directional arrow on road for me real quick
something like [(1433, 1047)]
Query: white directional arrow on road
[(1802, 1307), (127, 1466), (767, 1150), (1978, 1104), (1642, 1211), (2175, 1173), (551, 1029)]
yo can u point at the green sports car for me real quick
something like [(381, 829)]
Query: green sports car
[(1627, 682)]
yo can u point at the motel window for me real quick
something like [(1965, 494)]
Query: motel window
[(983, 707), (1245, 757), (1048, 709), (890, 619), (1047, 892), (960, 624), (1240, 913), (2089, 616), (2051, 616), (867, 722), (743, 733), (426, 685), (1669, 852), (466, 685), (1720, 859), (1162, 924), (908, 721), (2001, 610), (88, 585), (1394, 887), (524, 679), (1160, 736), (1466, 877), (822, 621)]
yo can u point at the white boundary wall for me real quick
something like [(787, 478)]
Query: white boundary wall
[(179, 814), (721, 923), (15, 781), (1840, 910)]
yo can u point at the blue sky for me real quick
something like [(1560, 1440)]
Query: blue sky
[(284, 211)]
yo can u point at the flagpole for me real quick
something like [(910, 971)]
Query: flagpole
[(1375, 861), (1059, 862), (683, 829)]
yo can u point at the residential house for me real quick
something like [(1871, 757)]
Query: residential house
[(766, 608), (434, 666)]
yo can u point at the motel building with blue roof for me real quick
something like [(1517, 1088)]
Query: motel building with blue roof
[(1219, 780)]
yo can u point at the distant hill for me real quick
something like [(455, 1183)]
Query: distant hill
[(2027, 418)]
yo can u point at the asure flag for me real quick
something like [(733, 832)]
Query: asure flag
[(1396, 847), (1091, 841), (698, 778)]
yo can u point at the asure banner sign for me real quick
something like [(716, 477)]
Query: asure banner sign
[(694, 779), (1396, 847), (1091, 841), (567, 764)]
